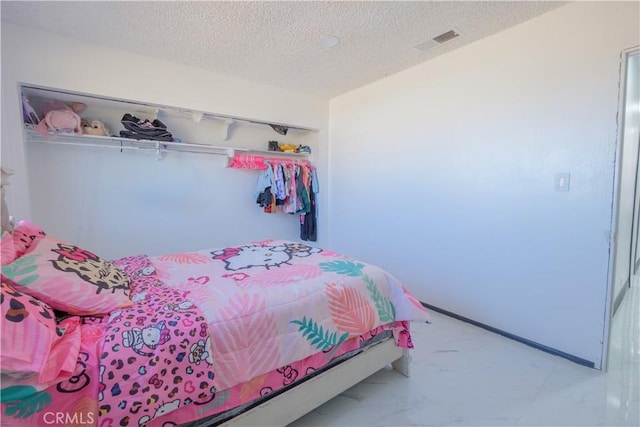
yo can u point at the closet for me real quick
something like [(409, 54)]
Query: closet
[(85, 187), (194, 131)]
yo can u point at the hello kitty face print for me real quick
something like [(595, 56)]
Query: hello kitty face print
[(163, 409), (259, 255), (200, 352), (90, 267), (149, 336)]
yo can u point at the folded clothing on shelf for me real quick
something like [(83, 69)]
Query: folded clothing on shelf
[(144, 129)]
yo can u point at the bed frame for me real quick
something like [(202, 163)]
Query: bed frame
[(298, 401)]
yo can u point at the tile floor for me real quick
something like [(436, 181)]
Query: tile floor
[(468, 376)]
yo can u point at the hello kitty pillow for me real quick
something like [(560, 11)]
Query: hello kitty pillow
[(69, 278)]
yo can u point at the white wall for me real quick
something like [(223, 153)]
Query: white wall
[(120, 204), (444, 175)]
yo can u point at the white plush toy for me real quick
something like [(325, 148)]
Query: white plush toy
[(7, 220)]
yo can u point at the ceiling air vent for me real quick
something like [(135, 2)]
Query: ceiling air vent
[(438, 40), (445, 37)]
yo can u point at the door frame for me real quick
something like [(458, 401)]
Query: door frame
[(617, 184), (635, 226)]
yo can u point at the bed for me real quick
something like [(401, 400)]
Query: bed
[(257, 334)]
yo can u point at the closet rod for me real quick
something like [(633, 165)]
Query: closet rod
[(80, 144), (158, 146)]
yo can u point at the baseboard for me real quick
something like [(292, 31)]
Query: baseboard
[(618, 300), (530, 343)]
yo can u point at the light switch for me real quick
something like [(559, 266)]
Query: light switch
[(561, 181)]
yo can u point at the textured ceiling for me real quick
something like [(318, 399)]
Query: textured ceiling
[(277, 43)]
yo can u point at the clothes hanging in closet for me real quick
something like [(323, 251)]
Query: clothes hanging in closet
[(284, 185), (289, 187), (309, 221)]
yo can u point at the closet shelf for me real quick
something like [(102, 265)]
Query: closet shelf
[(68, 96), (160, 147)]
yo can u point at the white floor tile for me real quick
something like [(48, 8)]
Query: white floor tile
[(466, 376)]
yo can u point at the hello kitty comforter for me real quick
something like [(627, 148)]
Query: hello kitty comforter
[(273, 302), (216, 320)]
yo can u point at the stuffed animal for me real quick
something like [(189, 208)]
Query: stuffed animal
[(94, 127), (288, 148), (58, 117), (7, 220)]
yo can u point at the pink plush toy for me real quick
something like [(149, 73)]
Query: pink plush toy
[(59, 117)]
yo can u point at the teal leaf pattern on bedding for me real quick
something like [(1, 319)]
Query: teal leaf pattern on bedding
[(320, 338), (23, 401), (346, 268), (386, 310), (21, 267)]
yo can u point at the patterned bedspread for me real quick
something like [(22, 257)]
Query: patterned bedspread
[(270, 303), (212, 329), (136, 365)]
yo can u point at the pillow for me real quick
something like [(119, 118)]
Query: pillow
[(15, 244), (30, 335), (69, 278), (26, 324), (8, 249)]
